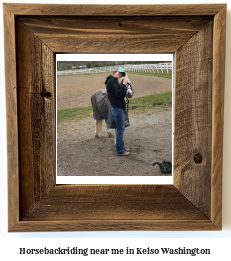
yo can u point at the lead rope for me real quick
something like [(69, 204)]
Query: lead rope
[(127, 103)]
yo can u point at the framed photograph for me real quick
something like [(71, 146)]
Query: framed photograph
[(86, 128), (34, 34)]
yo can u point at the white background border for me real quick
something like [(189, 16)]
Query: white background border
[(218, 241)]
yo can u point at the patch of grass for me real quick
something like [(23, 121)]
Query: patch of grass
[(141, 103), (145, 102), (165, 74), (68, 114)]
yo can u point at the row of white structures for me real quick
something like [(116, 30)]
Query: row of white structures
[(149, 68)]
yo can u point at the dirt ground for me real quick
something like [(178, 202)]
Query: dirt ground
[(149, 135), (76, 91)]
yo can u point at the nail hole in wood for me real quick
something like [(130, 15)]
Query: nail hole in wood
[(198, 158), (46, 94)]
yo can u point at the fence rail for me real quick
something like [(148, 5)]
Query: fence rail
[(149, 68)]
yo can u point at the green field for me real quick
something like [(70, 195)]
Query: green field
[(141, 103)]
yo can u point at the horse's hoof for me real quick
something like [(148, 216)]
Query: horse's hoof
[(110, 135), (96, 136)]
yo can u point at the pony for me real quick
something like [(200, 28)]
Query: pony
[(101, 108)]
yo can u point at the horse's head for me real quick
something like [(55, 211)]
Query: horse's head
[(129, 91)]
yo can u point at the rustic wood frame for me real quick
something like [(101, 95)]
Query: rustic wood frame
[(195, 33)]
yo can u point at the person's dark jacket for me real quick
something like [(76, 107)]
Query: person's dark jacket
[(116, 92)]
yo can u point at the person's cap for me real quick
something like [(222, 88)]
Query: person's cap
[(121, 70)]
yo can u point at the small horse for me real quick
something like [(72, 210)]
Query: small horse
[(101, 107)]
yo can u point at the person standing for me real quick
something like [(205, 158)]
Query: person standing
[(116, 94)]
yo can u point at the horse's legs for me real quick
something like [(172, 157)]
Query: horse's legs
[(96, 129), (108, 130)]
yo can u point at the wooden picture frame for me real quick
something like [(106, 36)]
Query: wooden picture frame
[(33, 33)]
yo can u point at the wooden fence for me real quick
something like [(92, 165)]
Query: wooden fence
[(148, 68)]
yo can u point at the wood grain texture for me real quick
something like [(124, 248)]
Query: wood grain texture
[(36, 106), (115, 10), (108, 202), (101, 34), (192, 32), (114, 225), (12, 113), (114, 207), (218, 114), (193, 126)]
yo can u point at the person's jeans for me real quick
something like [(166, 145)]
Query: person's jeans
[(119, 115)]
